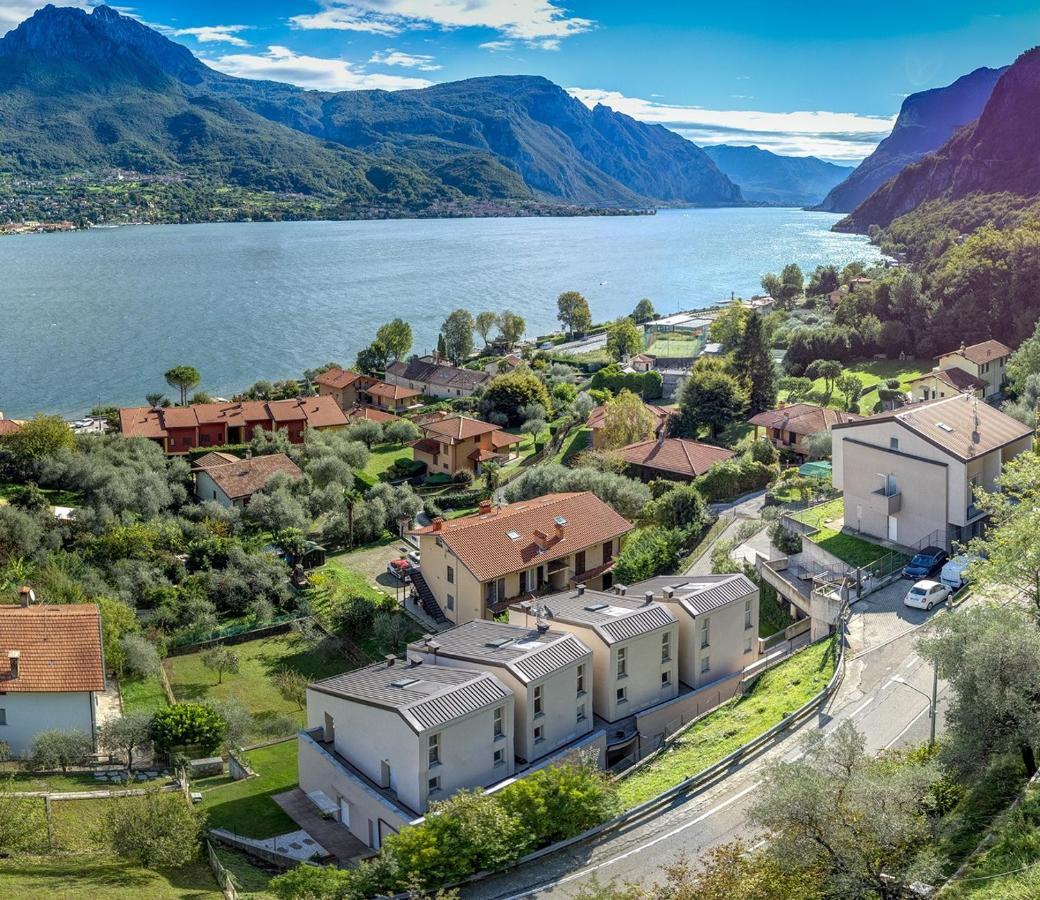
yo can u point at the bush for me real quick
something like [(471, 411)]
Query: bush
[(733, 477), (785, 540), (463, 476), (59, 749), (648, 552), (626, 495), (506, 395), (185, 725), (404, 468), (682, 507), (156, 830)]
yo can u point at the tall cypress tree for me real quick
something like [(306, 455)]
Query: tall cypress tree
[(753, 365)]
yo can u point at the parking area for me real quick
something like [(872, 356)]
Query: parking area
[(882, 616), (371, 561)]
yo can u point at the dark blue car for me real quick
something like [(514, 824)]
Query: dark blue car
[(926, 563)]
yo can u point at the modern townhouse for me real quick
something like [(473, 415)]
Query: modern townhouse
[(634, 642), (550, 674), (718, 622), (908, 476), (473, 567), (385, 741)]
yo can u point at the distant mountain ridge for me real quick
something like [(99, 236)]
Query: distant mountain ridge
[(85, 91), (998, 152), (767, 177), (926, 121)]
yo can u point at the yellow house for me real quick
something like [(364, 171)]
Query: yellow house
[(475, 566), (343, 385), (459, 443)]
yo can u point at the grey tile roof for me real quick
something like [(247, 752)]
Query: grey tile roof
[(699, 594), (424, 696), (527, 653), (614, 617), (429, 372)]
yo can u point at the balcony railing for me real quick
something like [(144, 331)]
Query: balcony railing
[(892, 499)]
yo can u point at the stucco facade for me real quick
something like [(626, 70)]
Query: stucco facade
[(23, 716)]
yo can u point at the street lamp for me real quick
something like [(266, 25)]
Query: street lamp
[(933, 700)]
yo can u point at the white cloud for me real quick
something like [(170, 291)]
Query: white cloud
[(14, 12), (837, 136), (391, 57), (539, 23), (282, 64), (495, 46), (215, 34)]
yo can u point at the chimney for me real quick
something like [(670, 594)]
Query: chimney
[(390, 660), (622, 590), (485, 507), (414, 661), (12, 657), (648, 598), (581, 589), (558, 528), (541, 536), (25, 596), (438, 524), (669, 593)]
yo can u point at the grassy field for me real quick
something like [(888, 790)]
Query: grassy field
[(776, 694), (870, 373), (55, 496), (144, 695), (250, 881), (246, 807), (669, 347), (1009, 869), (101, 877), (383, 456), (576, 442), (30, 781), (252, 685)]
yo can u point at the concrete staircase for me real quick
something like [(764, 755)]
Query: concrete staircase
[(427, 601)]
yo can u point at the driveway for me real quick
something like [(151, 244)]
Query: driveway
[(372, 561), (881, 617)]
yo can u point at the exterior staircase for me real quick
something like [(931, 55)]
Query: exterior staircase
[(427, 601)]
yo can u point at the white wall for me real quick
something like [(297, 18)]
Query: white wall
[(206, 489), (30, 713), (728, 641)]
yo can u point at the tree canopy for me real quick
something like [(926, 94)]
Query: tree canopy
[(573, 312)]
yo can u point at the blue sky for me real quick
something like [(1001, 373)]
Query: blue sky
[(800, 78)]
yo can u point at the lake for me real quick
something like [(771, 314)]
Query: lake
[(99, 315)]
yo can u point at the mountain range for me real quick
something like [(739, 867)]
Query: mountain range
[(999, 152), (926, 121), (88, 92), (766, 177)]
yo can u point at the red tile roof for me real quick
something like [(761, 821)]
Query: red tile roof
[(955, 377), (215, 459), (59, 649), (361, 413), (245, 477), (983, 352), (427, 445), (391, 391), (500, 439), (317, 412), (337, 378), (483, 542), (482, 455), (455, 429), (677, 456), (661, 413), (802, 418), (9, 426)]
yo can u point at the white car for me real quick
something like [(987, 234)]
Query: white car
[(926, 594), (414, 558), (953, 574)]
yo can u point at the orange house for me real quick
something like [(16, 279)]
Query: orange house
[(461, 444)]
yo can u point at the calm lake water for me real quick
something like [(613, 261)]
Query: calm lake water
[(100, 315)]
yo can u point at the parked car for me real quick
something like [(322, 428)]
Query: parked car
[(925, 594), (926, 563), (401, 569), (954, 573), (414, 558)]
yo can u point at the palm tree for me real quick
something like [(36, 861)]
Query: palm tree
[(351, 497)]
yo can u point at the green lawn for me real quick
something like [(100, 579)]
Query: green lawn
[(870, 374), (776, 694), (246, 807), (675, 347), (579, 440), (847, 547), (250, 881), (251, 685), (383, 456), (822, 515), (55, 496), (1015, 850), (525, 450), (144, 695), (30, 781), (101, 876)]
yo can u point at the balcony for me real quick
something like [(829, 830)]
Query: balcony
[(891, 500)]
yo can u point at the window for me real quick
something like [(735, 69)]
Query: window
[(581, 712), (500, 757), (434, 784), (581, 679), (451, 574), (748, 644), (499, 729), (622, 662), (622, 695), (451, 601), (705, 664), (3, 716), (433, 750), (666, 647), (666, 678), (608, 551), (705, 632), (539, 734), (539, 706), (579, 561), (747, 614), (440, 543), (893, 443)]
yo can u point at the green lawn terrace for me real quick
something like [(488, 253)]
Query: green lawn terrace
[(870, 374), (828, 520)]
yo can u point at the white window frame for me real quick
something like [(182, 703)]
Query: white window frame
[(622, 662), (433, 750)]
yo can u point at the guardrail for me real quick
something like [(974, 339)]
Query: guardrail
[(690, 785)]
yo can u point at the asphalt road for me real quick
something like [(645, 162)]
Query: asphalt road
[(889, 712)]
